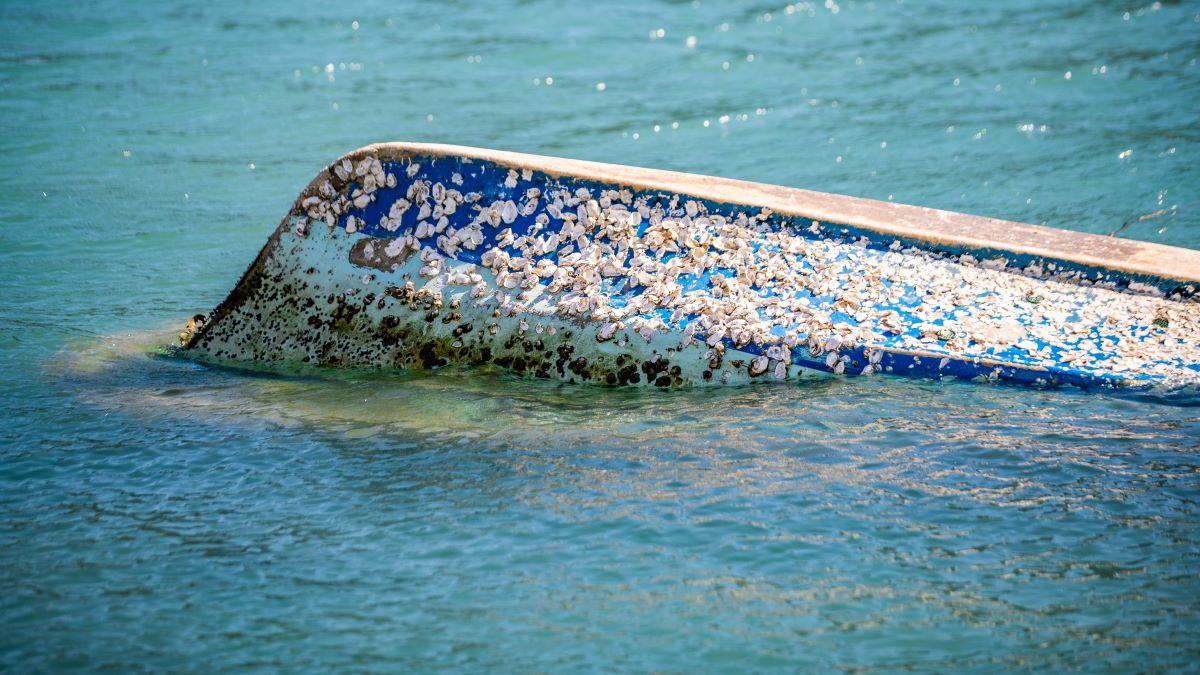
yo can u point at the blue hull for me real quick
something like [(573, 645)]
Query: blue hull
[(421, 256)]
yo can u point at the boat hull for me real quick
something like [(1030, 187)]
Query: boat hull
[(416, 256)]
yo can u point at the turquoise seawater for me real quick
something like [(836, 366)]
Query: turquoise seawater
[(158, 515)]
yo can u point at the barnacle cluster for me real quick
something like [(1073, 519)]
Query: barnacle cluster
[(640, 265)]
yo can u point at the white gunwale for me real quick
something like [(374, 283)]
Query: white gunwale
[(917, 223)]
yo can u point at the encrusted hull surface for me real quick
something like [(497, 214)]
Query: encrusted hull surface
[(418, 256)]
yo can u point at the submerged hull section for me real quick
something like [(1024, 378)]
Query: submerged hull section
[(410, 256)]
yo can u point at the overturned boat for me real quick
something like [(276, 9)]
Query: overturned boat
[(410, 255)]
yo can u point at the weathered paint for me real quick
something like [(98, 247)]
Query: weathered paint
[(419, 256)]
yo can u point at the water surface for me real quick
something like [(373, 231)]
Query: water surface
[(159, 515)]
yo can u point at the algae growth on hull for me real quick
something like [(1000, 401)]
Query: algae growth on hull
[(396, 259)]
